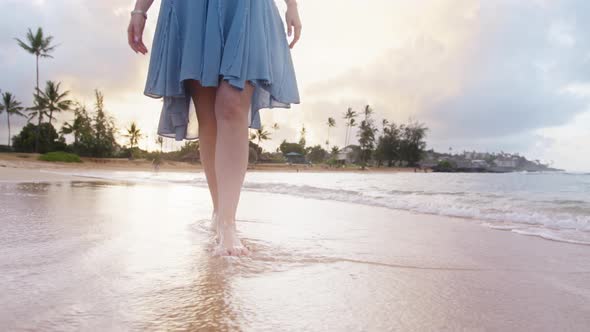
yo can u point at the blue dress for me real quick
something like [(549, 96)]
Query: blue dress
[(209, 40)]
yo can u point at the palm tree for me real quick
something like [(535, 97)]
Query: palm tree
[(77, 126), (39, 109), (302, 139), (276, 128), (349, 116), (252, 136), (261, 134), (72, 128), (55, 100), (334, 151), (38, 46), (331, 123), (368, 111), (12, 107), (160, 142), (134, 134)]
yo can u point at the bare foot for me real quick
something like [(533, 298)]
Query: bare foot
[(215, 226), (228, 242)]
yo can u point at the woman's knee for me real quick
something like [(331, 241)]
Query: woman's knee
[(231, 104)]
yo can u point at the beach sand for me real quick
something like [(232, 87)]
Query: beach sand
[(30, 161), (82, 254)]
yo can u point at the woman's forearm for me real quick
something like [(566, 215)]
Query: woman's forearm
[(291, 3), (143, 4)]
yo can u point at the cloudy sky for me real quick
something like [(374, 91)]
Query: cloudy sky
[(493, 75)]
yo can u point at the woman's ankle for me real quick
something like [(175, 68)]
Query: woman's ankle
[(226, 225)]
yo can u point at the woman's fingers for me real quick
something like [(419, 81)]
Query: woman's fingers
[(289, 30), (134, 36), (130, 35), (138, 40), (140, 37), (293, 25), (297, 35), (141, 46)]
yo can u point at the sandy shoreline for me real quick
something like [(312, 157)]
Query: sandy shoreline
[(29, 161), (399, 271), (18, 174)]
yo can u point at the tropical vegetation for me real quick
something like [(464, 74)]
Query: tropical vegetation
[(61, 157), (93, 132)]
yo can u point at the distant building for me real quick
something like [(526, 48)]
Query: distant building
[(469, 155), (295, 158), (345, 155), (506, 163), (472, 161), (479, 163)]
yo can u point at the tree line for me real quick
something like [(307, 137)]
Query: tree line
[(396, 144), (94, 132)]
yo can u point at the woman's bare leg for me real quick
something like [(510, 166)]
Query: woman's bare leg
[(231, 160), (204, 100)]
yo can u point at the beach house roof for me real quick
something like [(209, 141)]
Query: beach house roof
[(293, 154)]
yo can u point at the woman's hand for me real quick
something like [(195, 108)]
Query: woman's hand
[(293, 21), (135, 34)]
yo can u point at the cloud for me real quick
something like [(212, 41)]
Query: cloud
[(489, 75), (92, 46), (91, 53), (505, 73)]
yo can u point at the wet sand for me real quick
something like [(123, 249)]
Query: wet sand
[(105, 255)]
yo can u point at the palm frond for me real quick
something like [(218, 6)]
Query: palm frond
[(25, 46)]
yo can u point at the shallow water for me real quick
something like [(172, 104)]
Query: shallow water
[(106, 256), (554, 206)]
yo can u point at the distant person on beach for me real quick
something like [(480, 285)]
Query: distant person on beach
[(231, 59), (157, 162)]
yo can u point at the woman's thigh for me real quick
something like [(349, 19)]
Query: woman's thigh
[(203, 98)]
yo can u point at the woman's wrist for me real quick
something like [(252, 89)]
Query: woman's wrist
[(291, 3), (143, 5), (139, 12)]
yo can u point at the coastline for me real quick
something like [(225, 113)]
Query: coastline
[(29, 161)]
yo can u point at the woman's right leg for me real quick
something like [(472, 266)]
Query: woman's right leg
[(231, 108), (204, 100)]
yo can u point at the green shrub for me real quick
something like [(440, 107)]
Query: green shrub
[(5, 148), (61, 156), (446, 166), (332, 162), (49, 140)]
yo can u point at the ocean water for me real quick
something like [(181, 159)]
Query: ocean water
[(135, 254), (554, 206)]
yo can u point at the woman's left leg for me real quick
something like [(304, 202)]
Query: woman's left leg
[(231, 160), (204, 101)]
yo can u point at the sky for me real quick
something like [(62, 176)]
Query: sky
[(489, 75)]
